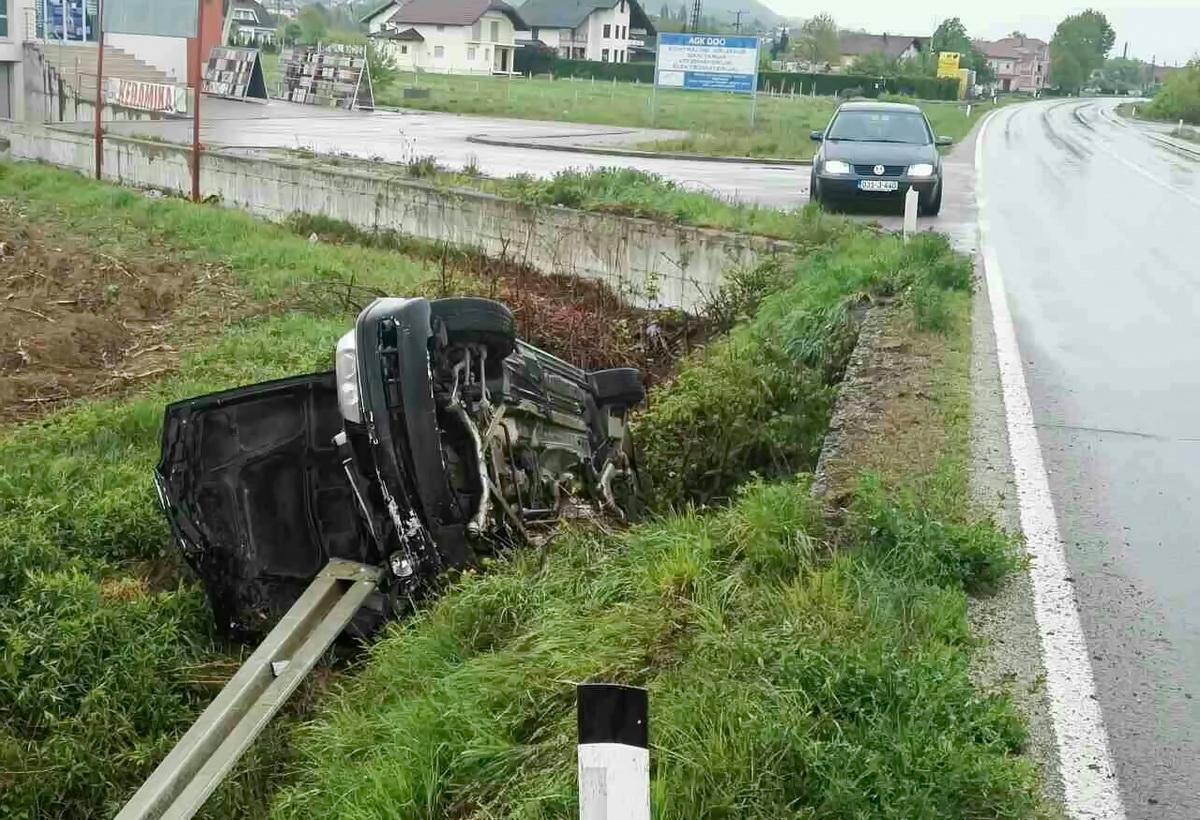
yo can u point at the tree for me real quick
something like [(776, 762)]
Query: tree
[(876, 64), (1080, 44), (781, 44), (1018, 34), (313, 22), (665, 12), (952, 35), (1123, 75), (818, 42)]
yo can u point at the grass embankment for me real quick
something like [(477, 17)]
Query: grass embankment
[(627, 192), (105, 655), (796, 670), (719, 124)]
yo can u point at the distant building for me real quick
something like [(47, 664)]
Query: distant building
[(448, 36), (248, 23), (608, 31), (1021, 64), (853, 44)]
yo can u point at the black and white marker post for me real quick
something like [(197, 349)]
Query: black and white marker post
[(614, 752)]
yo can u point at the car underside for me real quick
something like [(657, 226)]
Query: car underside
[(438, 437)]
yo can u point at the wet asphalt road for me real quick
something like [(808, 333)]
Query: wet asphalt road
[(1097, 230)]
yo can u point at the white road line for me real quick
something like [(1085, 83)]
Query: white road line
[(1089, 779)]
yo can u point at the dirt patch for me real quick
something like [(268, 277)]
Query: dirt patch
[(586, 322), (78, 322)]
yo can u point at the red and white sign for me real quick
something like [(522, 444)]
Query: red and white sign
[(142, 96)]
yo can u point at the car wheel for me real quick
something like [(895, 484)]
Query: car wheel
[(933, 205), (473, 320), (621, 387)]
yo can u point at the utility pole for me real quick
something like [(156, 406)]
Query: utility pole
[(737, 21), (697, 10)]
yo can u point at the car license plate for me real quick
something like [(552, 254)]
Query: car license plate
[(878, 185)]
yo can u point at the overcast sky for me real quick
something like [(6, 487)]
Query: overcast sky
[(1168, 29)]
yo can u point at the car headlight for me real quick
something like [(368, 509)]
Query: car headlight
[(921, 169), (836, 166), (346, 364)]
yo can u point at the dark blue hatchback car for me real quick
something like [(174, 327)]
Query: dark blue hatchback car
[(877, 151)]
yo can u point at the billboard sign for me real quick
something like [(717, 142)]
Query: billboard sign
[(708, 62), (947, 68), (162, 18), (141, 96)]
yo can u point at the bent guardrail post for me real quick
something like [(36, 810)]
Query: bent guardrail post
[(226, 729)]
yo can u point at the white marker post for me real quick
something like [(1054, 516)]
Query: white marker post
[(614, 752), (911, 201)]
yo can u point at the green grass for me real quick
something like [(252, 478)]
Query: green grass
[(719, 124), (100, 668), (789, 677)]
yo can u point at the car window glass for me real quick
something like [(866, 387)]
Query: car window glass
[(881, 126)]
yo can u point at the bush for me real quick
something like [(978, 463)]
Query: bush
[(1179, 97)]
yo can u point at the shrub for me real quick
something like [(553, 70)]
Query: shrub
[(1179, 97)]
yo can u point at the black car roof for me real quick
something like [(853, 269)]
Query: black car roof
[(878, 106)]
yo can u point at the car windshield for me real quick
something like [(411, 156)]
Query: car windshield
[(881, 126)]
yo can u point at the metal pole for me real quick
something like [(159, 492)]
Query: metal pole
[(99, 88), (199, 81)]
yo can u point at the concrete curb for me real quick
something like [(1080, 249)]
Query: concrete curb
[(483, 139)]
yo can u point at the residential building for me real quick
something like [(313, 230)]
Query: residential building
[(608, 31), (855, 44), (448, 36), (12, 57), (248, 23), (1021, 64)]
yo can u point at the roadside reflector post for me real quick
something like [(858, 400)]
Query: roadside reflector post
[(911, 200), (614, 752), (1179, 130)]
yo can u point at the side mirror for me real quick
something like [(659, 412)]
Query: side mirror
[(941, 141), (817, 136)]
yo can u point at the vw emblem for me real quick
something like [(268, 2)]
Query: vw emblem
[(879, 169)]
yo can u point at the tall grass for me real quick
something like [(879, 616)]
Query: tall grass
[(760, 399)]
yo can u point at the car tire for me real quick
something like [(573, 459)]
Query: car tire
[(479, 321), (621, 387), (933, 205)]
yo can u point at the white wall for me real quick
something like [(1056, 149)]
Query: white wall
[(13, 56), (618, 40), (461, 52), (167, 54)]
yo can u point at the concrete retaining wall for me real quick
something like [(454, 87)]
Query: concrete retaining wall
[(650, 263)]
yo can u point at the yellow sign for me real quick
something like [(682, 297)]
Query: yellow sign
[(948, 65)]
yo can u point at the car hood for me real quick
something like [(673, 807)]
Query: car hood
[(884, 153)]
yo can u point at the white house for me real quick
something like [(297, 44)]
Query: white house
[(602, 30), (248, 23), (448, 36)]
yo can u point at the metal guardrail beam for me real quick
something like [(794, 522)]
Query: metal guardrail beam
[(206, 754)]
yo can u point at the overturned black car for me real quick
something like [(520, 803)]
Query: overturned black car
[(438, 437)]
